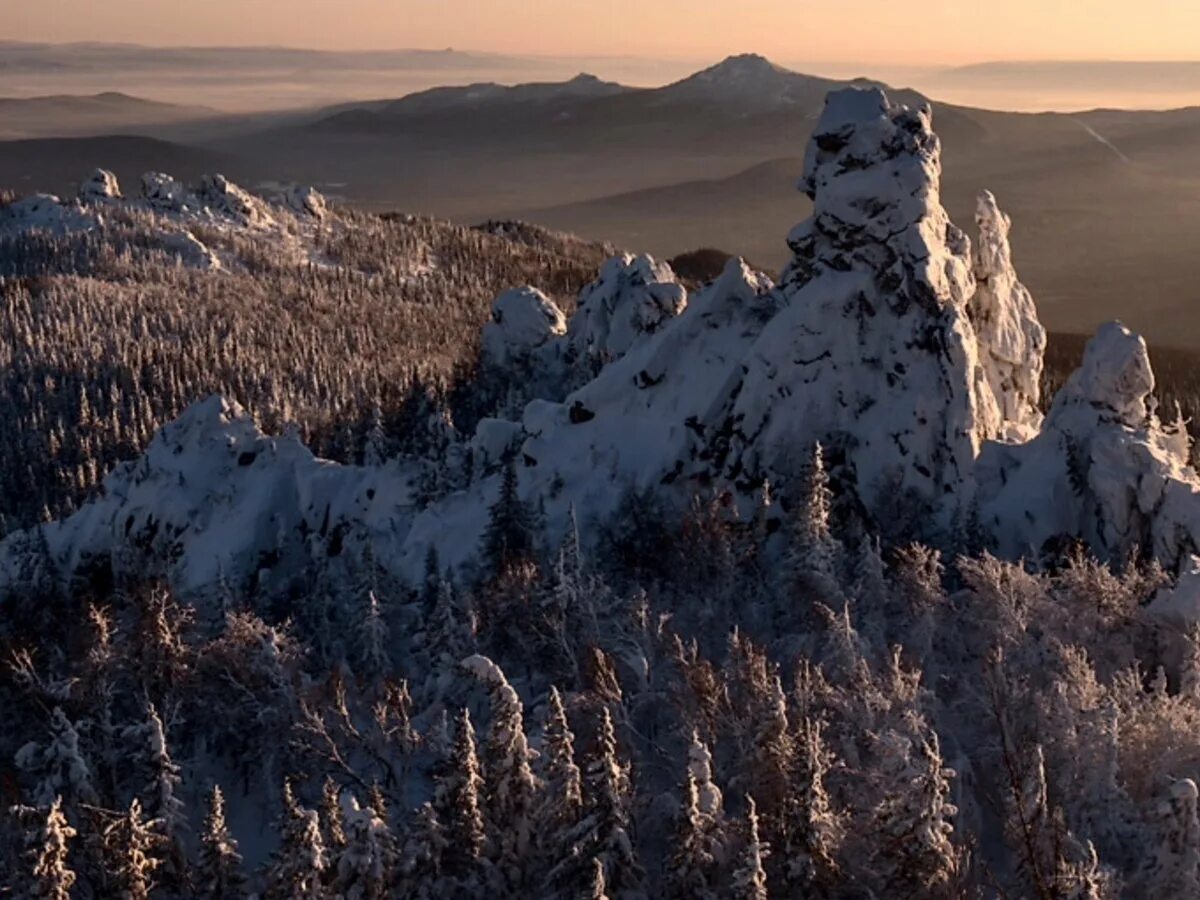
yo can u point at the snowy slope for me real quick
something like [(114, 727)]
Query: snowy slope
[(910, 356)]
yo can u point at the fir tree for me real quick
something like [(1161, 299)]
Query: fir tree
[(366, 865), (458, 804), (219, 870), (509, 536)]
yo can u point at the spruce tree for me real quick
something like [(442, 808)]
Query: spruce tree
[(458, 804), (133, 847)]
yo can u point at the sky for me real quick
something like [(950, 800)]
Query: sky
[(904, 32)]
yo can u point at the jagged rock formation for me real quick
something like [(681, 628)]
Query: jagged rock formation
[(913, 359), (873, 352), (1011, 339)]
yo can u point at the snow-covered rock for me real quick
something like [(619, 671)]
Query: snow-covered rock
[(1102, 469), (101, 185), (1012, 342), (305, 200), (523, 319), (214, 497), (633, 297), (191, 251), (46, 213), (223, 196), (162, 191), (873, 353)]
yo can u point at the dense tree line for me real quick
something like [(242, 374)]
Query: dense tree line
[(706, 706)]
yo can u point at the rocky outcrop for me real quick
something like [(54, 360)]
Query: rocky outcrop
[(223, 196), (1103, 469), (100, 186), (873, 353), (522, 321), (161, 191), (1012, 342), (633, 297), (912, 358)]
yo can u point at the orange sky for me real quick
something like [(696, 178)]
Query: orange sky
[(884, 31)]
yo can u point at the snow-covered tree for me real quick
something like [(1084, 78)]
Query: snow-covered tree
[(511, 795), (219, 868), (458, 803), (604, 832), (424, 850), (749, 880), (298, 867), (815, 554), (510, 534), (49, 875), (691, 868), (133, 847), (916, 817), (366, 865), (61, 769), (813, 831)]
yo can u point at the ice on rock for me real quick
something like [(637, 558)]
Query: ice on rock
[(522, 320), (1012, 342), (633, 297), (101, 185)]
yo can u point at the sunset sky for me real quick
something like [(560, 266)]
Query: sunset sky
[(891, 31)]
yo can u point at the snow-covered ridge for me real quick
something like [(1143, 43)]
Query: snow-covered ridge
[(909, 351), (286, 220)]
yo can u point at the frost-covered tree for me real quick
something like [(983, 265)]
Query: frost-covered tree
[(133, 847), (458, 803), (916, 817), (749, 879), (219, 867), (420, 865), (366, 866), (297, 869), (604, 832), (815, 555), (691, 868), (48, 875), (813, 831), (512, 790), (60, 766)]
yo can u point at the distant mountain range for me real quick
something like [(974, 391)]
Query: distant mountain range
[(1116, 193)]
